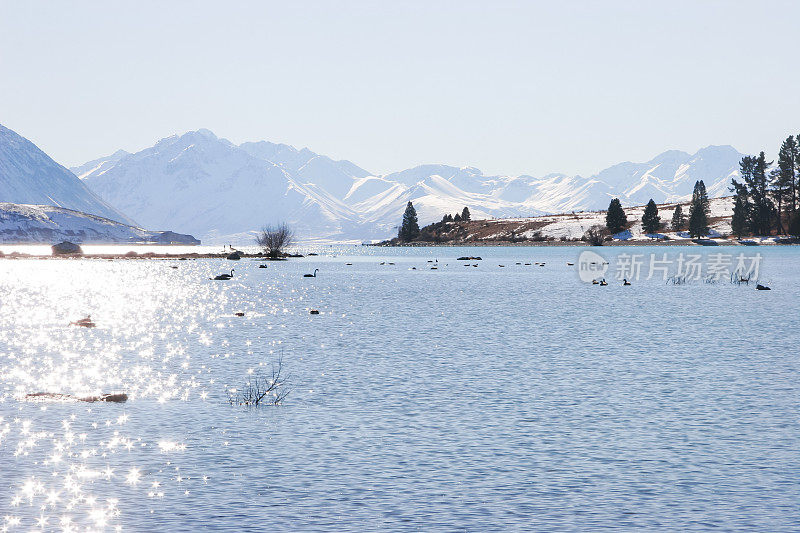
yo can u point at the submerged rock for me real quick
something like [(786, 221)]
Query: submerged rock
[(66, 248), (170, 237)]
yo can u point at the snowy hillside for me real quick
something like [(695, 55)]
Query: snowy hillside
[(207, 186), (571, 227), (21, 223), (574, 225), (29, 176)]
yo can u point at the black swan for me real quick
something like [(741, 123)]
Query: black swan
[(223, 277), (314, 275)]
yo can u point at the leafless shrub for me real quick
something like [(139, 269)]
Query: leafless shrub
[(514, 235), (262, 388), (594, 235), (677, 280), (737, 278), (274, 239), (539, 237)]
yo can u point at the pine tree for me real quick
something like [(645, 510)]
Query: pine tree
[(699, 211), (780, 191), (678, 219), (449, 217), (616, 220), (651, 222), (739, 222), (754, 173), (409, 230), (743, 192), (794, 225), (796, 184), (785, 177), (465, 214), (457, 218)]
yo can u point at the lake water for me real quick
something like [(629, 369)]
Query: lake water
[(458, 399)]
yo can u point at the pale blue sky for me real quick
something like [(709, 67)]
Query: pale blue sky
[(509, 87)]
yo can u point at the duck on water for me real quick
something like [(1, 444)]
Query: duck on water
[(84, 322)]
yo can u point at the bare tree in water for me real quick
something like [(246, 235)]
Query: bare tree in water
[(274, 239), (262, 388)]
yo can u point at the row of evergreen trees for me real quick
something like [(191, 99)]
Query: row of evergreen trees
[(768, 195), (409, 228), (464, 216), (699, 210)]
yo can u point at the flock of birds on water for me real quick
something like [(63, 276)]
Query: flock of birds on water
[(601, 282), (87, 321)]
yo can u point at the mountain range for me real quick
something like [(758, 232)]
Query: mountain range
[(201, 184), (221, 192)]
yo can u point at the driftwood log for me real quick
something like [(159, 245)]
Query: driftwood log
[(117, 398)]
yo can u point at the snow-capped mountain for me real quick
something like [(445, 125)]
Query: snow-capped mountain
[(29, 176), (21, 223), (671, 176), (307, 167), (204, 185), (98, 165), (200, 184)]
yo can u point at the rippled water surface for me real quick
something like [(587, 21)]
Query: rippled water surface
[(458, 399)]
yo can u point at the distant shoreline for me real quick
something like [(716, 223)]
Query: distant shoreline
[(186, 256), (576, 244), (134, 256)]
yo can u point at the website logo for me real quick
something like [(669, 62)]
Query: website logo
[(591, 266)]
